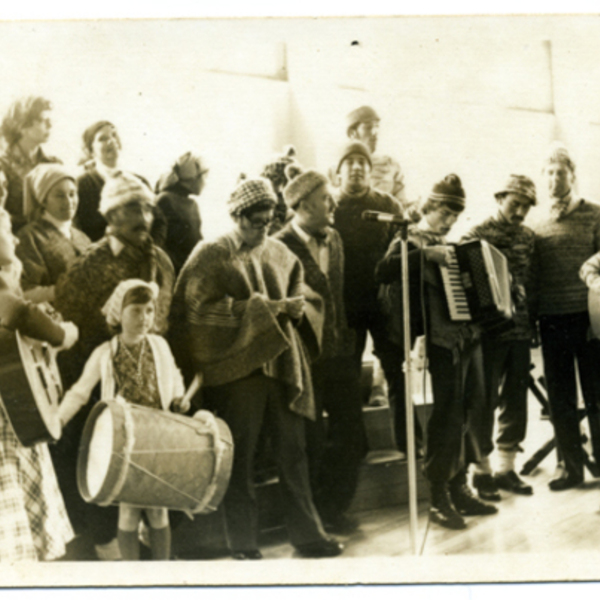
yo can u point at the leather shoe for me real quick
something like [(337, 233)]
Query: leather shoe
[(340, 524), (246, 555), (324, 548), (486, 487), (511, 482), (467, 504), (565, 482)]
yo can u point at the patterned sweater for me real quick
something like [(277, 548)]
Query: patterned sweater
[(365, 243), (83, 290), (561, 247), (517, 243)]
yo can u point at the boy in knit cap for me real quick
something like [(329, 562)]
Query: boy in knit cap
[(567, 236), (507, 355), (454, 356), (335, 456), (237, 310)]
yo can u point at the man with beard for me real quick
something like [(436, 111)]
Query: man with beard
[(125, 252), (335, 456), (566, 237), (507, 355)]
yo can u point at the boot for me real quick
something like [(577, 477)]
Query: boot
[(465, 501), (441, 511)]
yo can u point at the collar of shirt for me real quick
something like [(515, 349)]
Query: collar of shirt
[(241, 246), (116, 245), (308, 238), (567, 204), (63, 226)]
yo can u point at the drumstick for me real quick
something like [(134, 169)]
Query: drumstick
[(194, 387)]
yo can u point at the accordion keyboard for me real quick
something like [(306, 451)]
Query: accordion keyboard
[(454, 290)]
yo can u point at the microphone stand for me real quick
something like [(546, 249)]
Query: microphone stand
[(408, 400)]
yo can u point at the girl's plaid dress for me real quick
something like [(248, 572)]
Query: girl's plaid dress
[(33, 520)]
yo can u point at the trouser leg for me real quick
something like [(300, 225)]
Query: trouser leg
[(558, 343), (241, 404), (512, 416), (287, 433)]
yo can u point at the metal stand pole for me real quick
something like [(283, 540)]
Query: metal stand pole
[(408, 401)]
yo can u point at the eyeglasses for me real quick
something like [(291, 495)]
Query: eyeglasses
[(259, 223)]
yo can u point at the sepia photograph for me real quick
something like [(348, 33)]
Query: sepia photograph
[(306, 299)]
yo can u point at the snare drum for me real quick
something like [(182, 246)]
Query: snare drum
[(152, 458)]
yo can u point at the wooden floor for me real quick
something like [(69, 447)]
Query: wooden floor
[(569, 520)]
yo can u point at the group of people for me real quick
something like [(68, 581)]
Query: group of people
[(275, 316)]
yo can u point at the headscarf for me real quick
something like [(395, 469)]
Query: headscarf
[(38, 183), (113, 307), (187, 166)]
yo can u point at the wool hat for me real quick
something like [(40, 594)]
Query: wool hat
[(360, 115), (301, 184), (113, 307), (188, 166), (354, 148), (249, 192), (558, 153), (38, 183), (518, 184), (449, 191), (275, 170), (121, 189)]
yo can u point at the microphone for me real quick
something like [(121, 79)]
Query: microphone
[(381, 217)]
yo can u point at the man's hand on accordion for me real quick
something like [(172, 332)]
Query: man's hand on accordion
[(438, 254)]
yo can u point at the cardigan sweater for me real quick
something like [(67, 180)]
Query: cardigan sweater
[(365, 243), (222, 320), (46, 253), (517, 243), (100, 368), (561, 247), (336, 337)]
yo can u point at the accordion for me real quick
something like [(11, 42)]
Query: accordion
[(477, 284)]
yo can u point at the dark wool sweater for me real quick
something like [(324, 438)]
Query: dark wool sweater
[(365, 243), (561, 247), (517, 243)]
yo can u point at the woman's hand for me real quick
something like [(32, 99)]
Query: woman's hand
[(71, 335), (439, 254), (294, 307)]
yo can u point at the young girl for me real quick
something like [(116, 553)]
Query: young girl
[(138, 367), (33, 519)]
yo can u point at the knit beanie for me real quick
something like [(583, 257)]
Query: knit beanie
[(113, 307), (249, 192), (301, 184), (38, 183), (558, 153), (122, 189), (518, 184), (449, 191), (360, 115), (275, 170), (354, 148)]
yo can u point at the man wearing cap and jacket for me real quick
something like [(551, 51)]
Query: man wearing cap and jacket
[(507, 355), (335, 455), (566, 236), (362, 125)]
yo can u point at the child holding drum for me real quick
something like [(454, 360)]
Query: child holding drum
[(138, 367)]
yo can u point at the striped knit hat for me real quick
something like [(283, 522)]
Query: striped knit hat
[(449, 191), (122, 189), (521, 185), (249, 192)]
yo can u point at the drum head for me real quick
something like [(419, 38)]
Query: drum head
[(99, 453)]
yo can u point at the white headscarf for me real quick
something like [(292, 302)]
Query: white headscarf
[(113, 307)]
